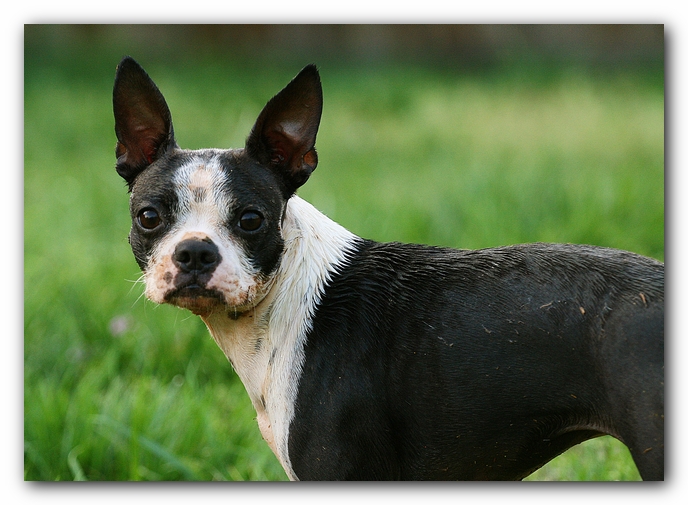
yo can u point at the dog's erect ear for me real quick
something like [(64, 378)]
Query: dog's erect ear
[(284, 134), (143, 123)]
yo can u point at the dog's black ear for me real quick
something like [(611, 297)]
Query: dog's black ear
[(284, 134), (143, 123)]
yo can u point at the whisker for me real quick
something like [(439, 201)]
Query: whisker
[(140, 280)]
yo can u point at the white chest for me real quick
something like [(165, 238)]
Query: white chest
[(266, 345)]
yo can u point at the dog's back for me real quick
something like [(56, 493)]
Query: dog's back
[(484, 364)]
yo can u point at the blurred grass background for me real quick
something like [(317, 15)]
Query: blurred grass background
[(468, 137)]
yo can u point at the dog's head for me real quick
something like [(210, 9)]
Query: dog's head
[(206, 224)]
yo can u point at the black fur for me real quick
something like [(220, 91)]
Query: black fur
[(429, 363)]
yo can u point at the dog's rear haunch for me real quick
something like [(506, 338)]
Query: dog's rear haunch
[(388, 361)]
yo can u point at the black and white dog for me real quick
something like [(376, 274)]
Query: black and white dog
[(369, 360)]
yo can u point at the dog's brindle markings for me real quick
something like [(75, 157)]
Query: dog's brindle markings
[(366, 360)]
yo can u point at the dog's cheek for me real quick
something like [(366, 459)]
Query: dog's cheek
[(140, 249), (265, 254)]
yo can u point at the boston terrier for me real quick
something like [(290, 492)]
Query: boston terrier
[(384, 361)]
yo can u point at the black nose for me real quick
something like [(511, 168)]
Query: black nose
[(196, 256)]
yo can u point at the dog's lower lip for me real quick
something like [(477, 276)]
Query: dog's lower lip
[(193, 291), (203, 302), (199, 300), (193, 294)]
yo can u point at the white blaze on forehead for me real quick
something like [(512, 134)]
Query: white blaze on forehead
[(200, 185)]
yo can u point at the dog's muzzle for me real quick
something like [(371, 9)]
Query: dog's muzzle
[(196, 260)]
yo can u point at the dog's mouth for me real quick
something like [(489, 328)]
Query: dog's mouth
[(196, 298), (203, 301)]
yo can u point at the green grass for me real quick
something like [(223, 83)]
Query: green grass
[(116, 388)]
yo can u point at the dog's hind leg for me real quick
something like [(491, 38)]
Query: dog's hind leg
[(634, 363), (643, 433)]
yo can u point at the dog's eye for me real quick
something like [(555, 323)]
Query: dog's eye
[(149, 218), (250, 220)]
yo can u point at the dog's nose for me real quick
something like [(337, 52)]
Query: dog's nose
[(198, 256)]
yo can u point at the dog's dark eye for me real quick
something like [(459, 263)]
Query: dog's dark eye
[(149, 218), (250, 220)]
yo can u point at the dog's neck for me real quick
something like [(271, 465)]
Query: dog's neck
[(266, 344)]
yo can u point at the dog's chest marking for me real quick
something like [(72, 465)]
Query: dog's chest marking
[(266, 346)]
